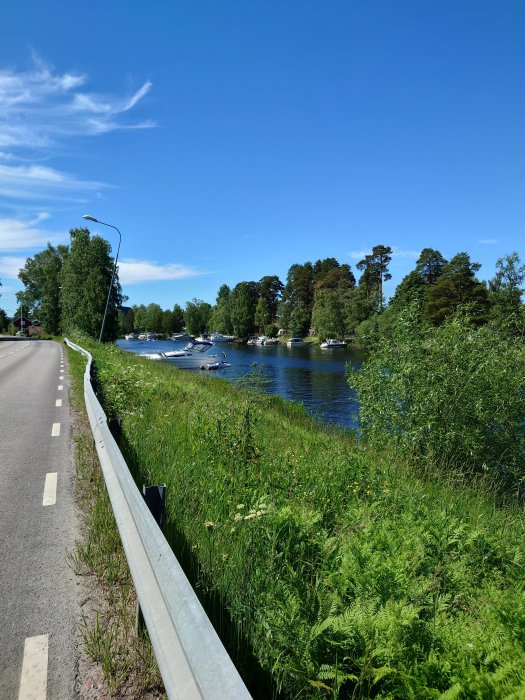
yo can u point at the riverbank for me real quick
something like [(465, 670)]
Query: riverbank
[(328, 570)]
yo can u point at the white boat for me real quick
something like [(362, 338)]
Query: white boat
[(260, 340), (195, 354), (252, 340), (271, 341), (333, 343), (220, 338), (177, 337), (132, 336), (295, 341)]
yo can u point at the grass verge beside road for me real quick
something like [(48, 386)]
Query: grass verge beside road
[(107, 629), (328, 569)]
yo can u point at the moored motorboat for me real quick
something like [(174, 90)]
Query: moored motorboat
[(131, 336), (333, 343), (221, 338), (271, 341), (193, 355), (295, 341)]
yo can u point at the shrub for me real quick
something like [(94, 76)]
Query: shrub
[(453, 395)]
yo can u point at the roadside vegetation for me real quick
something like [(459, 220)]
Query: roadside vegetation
[(108, 628), (332, 566)]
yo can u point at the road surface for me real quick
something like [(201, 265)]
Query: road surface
[(38, 526)]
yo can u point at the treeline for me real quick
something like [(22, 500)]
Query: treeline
[(325, 299), (66, 288)]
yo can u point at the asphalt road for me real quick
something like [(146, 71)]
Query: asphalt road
[(38, 524)]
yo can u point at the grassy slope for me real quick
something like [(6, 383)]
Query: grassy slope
[(347, 575)]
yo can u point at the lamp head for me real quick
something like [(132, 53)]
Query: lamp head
[(89, 218)]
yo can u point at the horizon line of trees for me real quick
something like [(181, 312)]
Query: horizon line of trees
[(66, 288), (324, 299)]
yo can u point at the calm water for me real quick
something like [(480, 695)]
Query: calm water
[(307, 374)]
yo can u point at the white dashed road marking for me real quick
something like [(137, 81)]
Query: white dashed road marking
[(50, 489), (55, 431), (58, 402), (60, 387), (33, 682)]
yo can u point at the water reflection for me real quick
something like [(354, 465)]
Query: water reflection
[(308, 374)]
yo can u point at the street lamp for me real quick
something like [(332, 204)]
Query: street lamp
[(92, 218)]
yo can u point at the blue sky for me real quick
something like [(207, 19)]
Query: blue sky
[(229, 140)]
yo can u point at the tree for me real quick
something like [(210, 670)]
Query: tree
[(197, 315), (221, 318), (505, 293), (126, 321), (295, 309), (139, 312), (430, 265), (41, 278), (154, 318), (243, 303), (271, 289), (327, 314), (375, 272), (86, 275), (262, 314), (167, 322), (178, 318), (410, 290), (455, 288)]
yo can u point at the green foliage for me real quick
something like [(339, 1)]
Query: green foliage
[(457, 287), (452, 396), (197, 315), (85, 277), (375, 272), (243, 301), (328, 314), (221, 317), (345, 572), (41, 278)]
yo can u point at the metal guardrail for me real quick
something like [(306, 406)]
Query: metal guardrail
[(192, 660)]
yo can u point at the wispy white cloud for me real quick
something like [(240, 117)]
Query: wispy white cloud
[(136, 271), (22, 235), (10, 267), (488, 241), (41, 107), (37, 182)]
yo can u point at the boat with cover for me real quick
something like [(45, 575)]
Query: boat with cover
[(221, 338), (333, 343), (295, 341), (195, 354)]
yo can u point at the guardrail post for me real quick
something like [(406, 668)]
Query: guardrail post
[(155, 497)]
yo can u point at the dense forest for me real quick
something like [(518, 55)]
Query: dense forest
[(324, 299), (66, 288)]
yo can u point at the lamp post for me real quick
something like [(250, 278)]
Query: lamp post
[(92, 218)]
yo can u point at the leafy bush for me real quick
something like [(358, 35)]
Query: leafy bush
[(454, 396)]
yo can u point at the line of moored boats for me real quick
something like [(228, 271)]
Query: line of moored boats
[(196, 353)]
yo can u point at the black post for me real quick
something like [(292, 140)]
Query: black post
[(155, 497)]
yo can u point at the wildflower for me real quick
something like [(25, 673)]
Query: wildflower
[(250, 516), (232, 531), (209, 525), (238, 517), (224, 557), (240, 506)]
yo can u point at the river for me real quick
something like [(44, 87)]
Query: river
[(309, 374)]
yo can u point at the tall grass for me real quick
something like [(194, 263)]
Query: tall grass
[(346, 573)]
